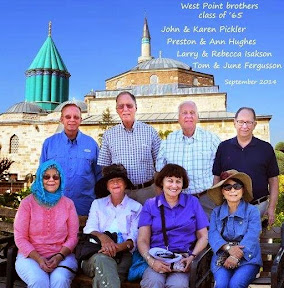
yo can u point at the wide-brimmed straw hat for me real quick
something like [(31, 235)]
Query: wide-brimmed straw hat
[(110, 172), (215, 192)]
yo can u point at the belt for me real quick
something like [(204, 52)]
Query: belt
[(143, 185), (198, 195), (258, 201)]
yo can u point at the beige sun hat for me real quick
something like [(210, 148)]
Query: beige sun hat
[(215, 192)]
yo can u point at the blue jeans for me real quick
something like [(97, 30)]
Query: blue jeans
[(240, 277)]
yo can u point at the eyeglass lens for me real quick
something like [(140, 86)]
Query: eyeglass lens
[(54, 177), (121, 106), (229, 187)]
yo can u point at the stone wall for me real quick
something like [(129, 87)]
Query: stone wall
[(132, 78), (163, 104)]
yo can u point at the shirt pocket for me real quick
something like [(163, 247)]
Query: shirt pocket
[(145, 153), (84, 163)]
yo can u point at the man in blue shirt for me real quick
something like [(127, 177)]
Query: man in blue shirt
[(77, 153), (254, 157)]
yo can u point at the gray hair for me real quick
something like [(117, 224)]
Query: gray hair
[(187, 102)]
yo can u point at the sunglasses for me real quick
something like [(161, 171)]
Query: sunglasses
[(55, 177), (166, 255), (236, 186), (121, 106)]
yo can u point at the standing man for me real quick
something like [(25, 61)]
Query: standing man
[(133, 144), (254, 157), (77, 153), (194, 149)]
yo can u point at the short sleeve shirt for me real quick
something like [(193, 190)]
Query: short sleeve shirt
[(182, 222), (257, 159)]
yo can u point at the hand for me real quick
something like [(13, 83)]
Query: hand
[(270, 212), (237, 251), (187, 261), (160, 266), (53, 262), (43, 264), (109, 247), (231, 263)]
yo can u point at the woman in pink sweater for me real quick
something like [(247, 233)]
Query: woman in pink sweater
[(45, 229)]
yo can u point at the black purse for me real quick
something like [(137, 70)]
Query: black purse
[(89, 245)]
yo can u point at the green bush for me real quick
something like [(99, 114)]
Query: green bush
[(14, 199), (280, 206)]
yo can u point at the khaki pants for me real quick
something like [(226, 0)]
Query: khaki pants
[(105, 271), (141, 195)]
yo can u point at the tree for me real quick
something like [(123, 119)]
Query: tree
[(164, 134), (280, 146), (280, 205), (5, 164), (106, 123)]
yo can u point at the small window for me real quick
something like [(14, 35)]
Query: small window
[(154, 79), (118, 84), (14, 144)]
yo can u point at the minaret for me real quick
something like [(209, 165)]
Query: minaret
[(47, 82), (146, 44)]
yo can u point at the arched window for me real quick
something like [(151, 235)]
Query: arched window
[(154, 79), (195, 82), (14, 144)]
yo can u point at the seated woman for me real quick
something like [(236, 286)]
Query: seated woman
[(185, 225), (45, 230), (234, 231), (114, 213)]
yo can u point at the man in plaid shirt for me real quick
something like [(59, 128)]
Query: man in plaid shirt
[(194, 149), (133, 144)]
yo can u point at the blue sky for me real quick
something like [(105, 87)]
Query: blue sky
[(100, 39)]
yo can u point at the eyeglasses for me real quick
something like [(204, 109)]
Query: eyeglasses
[(185, 113), (236, 186), (55, 177), (68, 117), (248, 123), (121, 106)]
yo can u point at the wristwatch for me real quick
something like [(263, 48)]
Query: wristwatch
[(228, 247)]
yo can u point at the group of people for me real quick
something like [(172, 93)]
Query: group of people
[(173, 181)]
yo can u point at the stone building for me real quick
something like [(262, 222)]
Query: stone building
[(160, 85)]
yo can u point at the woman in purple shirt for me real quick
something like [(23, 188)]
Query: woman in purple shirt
[(185, 224)]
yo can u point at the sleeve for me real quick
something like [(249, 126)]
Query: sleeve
[(251, 237), (21, 229), (161, 158), (93, 219), (215, 143), (133, 231), (217, 169), (216, 241), (156, 141), (145, 215), (43, 156), (97, 168), (272, 169), (73, 228), (104, 155)]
